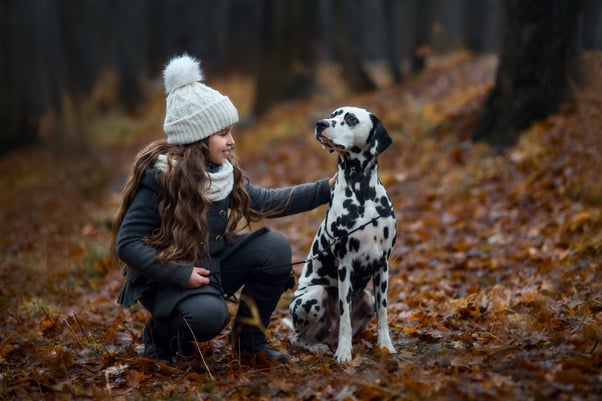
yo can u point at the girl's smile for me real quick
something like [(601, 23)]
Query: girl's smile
[(220, 146)]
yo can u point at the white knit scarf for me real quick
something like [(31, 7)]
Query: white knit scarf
[(221, 181)]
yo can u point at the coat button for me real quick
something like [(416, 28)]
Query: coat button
[(222, 213), (218, 238)]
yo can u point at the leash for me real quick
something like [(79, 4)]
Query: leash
[(315, 255), (233, 298)]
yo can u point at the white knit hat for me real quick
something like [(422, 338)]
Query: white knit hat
[(194, 111)]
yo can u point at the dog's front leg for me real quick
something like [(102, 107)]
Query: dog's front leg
[(343, 353), (381, 284)]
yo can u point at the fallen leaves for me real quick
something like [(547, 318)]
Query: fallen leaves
[(495, 286)]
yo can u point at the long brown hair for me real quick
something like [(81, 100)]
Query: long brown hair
[(183, 206)]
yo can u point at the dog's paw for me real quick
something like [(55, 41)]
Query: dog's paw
[(388, 347), (384, 342), (343, 354)]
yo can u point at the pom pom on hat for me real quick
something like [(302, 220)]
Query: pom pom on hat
[(180, 71), (194, 111)]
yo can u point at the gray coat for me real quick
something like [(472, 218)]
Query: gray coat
[(145, 274)]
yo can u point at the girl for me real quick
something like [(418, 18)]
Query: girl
[(177, 229)]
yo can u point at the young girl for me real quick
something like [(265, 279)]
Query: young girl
[(177, 229)]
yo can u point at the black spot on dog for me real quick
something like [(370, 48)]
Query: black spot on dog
[(320, 281), (309, 268), (316, 247), (354, 244), (336, 113), (307, 306), (360, 275), (342, 273), (323, 273), (341, 249), (351, 119)]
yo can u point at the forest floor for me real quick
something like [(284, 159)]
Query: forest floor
[(496, 278)]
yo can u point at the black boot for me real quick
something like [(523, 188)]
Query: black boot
[(248, 330), (255, 349), (156, 336), (266, 351), (182, 347)]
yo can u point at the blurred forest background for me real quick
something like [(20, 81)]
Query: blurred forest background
[(62, 60)]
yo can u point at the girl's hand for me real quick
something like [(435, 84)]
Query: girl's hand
[(332, 180), (198, 278)]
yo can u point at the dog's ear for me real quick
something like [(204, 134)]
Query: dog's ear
[(379, 138)]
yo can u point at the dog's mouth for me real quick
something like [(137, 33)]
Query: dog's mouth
[(327, 143)]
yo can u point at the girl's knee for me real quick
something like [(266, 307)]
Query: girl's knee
[(281, 251), (203, 317)]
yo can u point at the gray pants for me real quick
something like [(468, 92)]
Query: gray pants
[(262, 267)]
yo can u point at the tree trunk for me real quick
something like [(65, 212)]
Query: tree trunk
[(537, 55), (422, 31), (354, 74), (475, 15), (590, 21), (391, 43), (288, 52), (17, 130), (131, 50)]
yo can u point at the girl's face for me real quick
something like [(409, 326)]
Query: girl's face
[(220, 145)]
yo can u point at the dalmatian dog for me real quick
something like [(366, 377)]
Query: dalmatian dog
[(352, 245)]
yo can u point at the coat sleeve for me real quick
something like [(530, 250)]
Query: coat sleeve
[(294, 199), (140, 220)]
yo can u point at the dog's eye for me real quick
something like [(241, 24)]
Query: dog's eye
[(351, 120)]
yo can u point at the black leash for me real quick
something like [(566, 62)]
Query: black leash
[(314, 256), (291, 281)]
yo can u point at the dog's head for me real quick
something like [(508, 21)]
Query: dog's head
[(352, 130)]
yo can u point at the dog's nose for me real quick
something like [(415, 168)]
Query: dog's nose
[(322, 125)]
